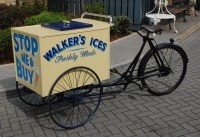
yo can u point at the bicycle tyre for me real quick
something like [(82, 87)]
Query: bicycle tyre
[(161, 85), (78, 99), (30, 97)]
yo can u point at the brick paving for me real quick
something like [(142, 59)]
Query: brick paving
[(131, 113)]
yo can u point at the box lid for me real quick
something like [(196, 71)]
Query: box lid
[(39, 31), (62, 26)]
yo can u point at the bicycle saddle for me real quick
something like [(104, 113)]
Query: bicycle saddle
[(153, 28)]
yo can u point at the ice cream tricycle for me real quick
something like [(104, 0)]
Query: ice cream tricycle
[(63, 65)]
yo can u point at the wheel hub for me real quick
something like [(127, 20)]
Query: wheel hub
[(165, 71), (75, 99)]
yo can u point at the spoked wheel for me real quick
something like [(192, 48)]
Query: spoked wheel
[(30, 97), (163, 80), (79, 93)]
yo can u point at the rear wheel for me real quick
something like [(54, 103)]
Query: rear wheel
[(30, 97), (161, 80), (79, 93)]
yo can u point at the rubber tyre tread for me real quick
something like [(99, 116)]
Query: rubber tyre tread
[(149, 54)]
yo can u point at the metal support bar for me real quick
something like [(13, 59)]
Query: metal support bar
[(97, 15)]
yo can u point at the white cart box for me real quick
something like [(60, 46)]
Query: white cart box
[(41, 54)]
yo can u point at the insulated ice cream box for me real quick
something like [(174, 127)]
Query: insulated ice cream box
[(43, 52)]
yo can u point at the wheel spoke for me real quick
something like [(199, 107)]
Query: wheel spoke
[(169, 76), (78, 106)]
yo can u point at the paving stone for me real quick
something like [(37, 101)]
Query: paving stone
[(102, 134), (110, 115), (174, 125), (21, 119), (169, 118), (100, 127), (148, 121), (137, 126), (74, 135), (121, 117), (88, 132), (13, 115), (111, 122), (140, 133), (156, 116), (179, 133), (183, 120), (153, 109), (76, 130), (161, 123), (15, 126), (141, 108), (12, 133), (191, 114), (61, 134), (196, 134), (50, 133), (178, 113), (26, 128), (113, 129), (166, 111), (38, 131), (26, 135), (153, 134), (4, 130), (4, 123), (118, 135), (143, 114), (127, 132), (195, 122), (124, 124), (188, 127), (130, 106)]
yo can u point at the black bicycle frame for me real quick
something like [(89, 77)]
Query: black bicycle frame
[(127, 78)]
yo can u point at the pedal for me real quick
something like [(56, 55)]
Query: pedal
[(115, 71)]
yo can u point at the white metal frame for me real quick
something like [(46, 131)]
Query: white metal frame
[(156, 17)]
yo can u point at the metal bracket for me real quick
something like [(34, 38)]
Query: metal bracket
[(97, 15)]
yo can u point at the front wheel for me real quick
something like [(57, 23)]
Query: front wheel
[(163, 78), (78, 92)]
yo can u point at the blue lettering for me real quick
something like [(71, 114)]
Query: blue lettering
[(104, 47), (91, 41), (30, 74), (64, 44), (34, 46), (100, 45), (27, 43), (59, 49), (21, 37), (71, 43), (83, 38), (76, 41), (31, 62), (16, 42), (25, 59), (18, 67), (48, 56), (25, 73), (54, 50), (96, 40)]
